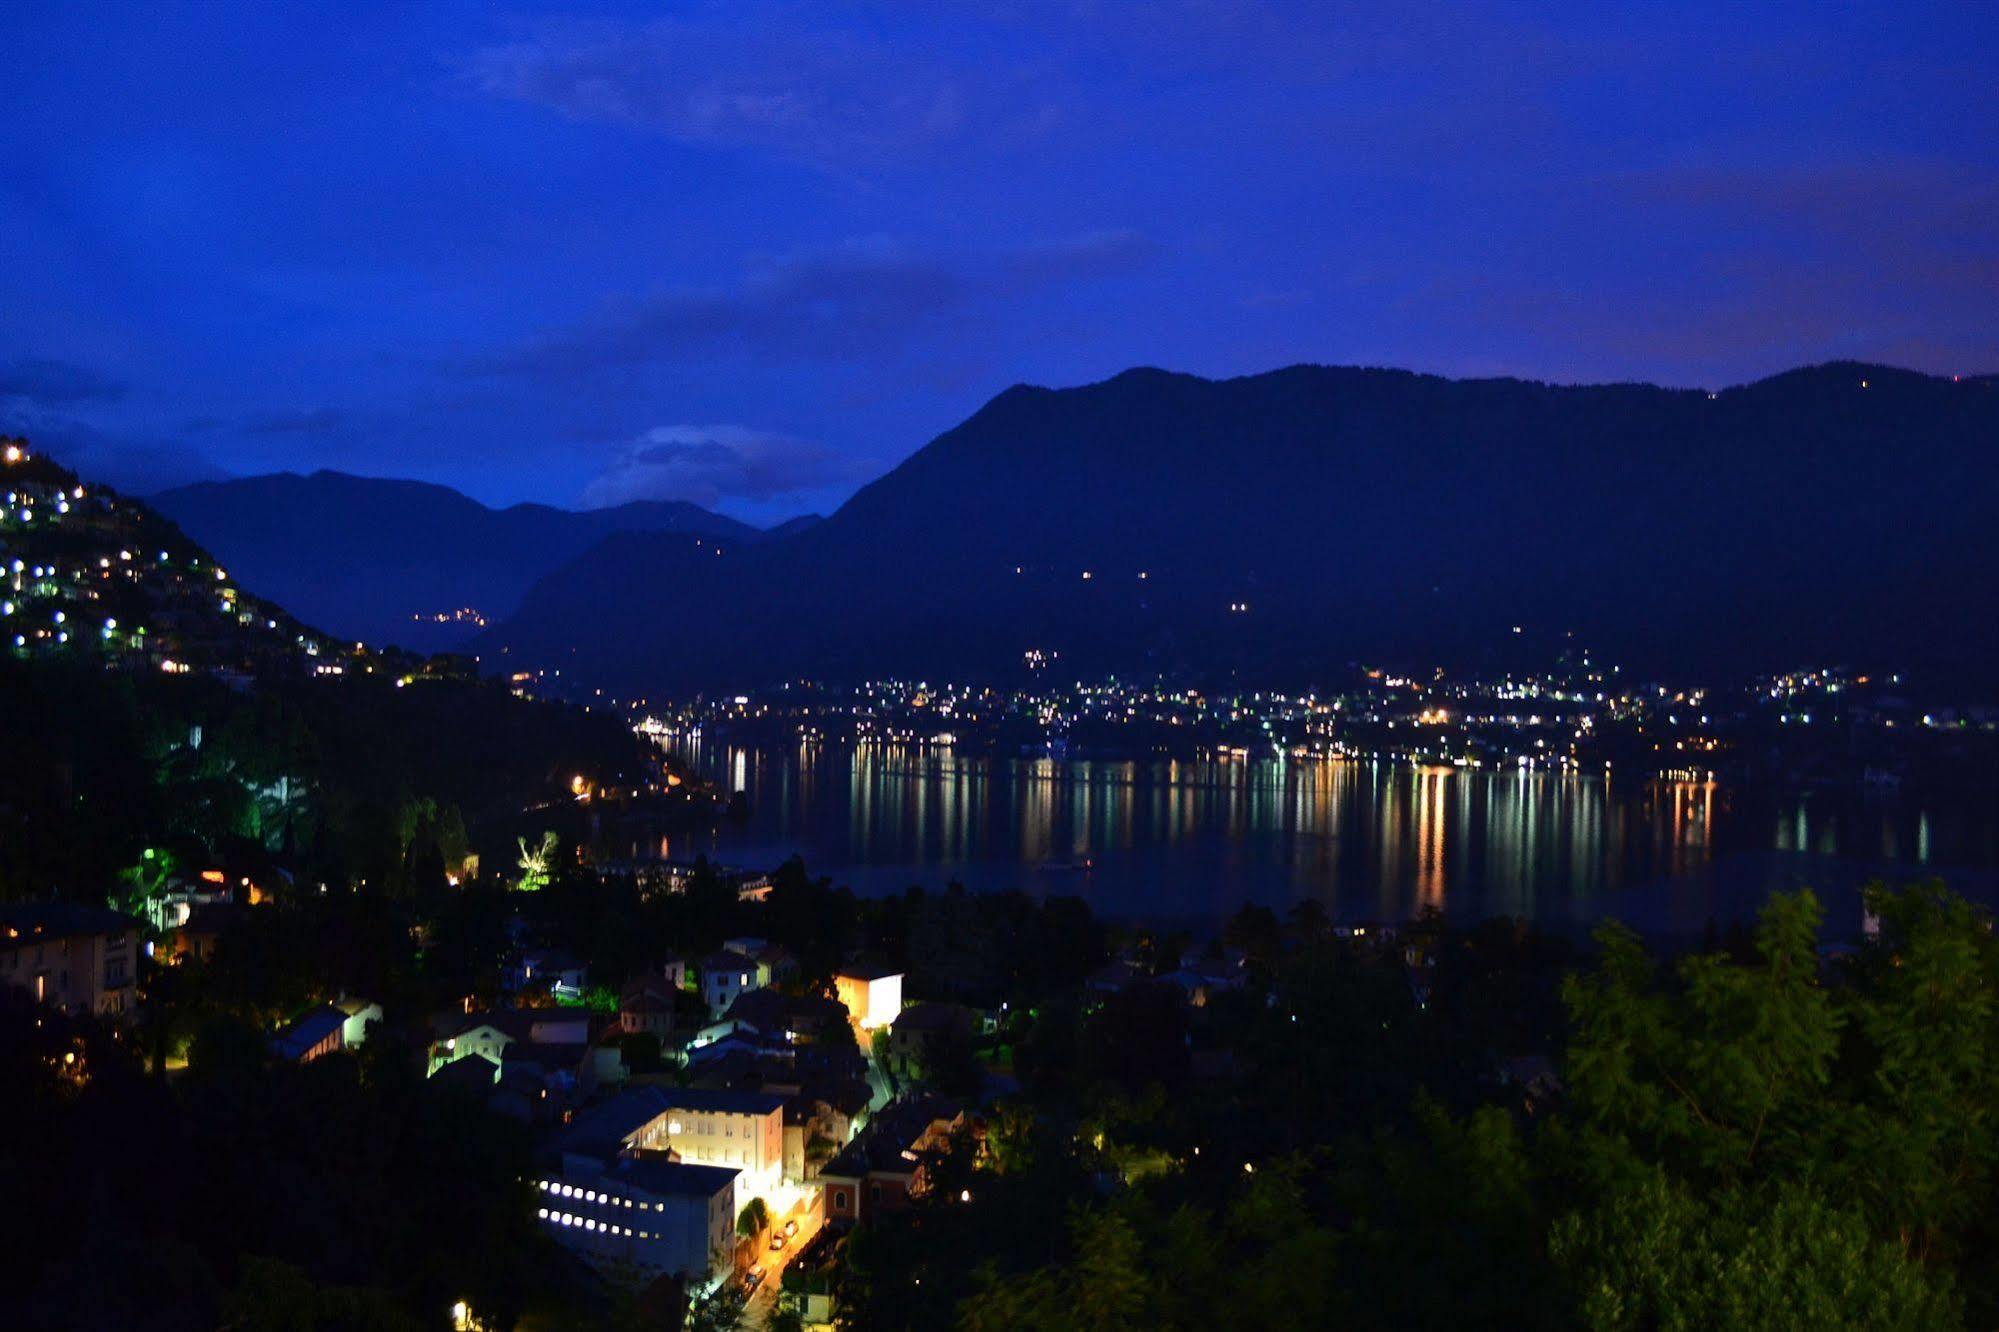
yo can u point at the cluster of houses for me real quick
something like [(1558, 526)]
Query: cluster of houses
[(716, 1082)]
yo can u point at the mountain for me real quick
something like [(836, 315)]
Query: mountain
[(1286, 523), (804, 522), (404, 562)]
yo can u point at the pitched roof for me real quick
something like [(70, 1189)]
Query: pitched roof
[(308, 1031), (888, 1144), (704, 1101)]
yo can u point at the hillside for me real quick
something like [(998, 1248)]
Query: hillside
[(402, 562), (92, 575), (1284, 522)]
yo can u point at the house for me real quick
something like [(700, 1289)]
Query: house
[(201, 930), (306, 1039), (323, 1030), (648, 1006), (774, 964), (1201, 983), (743, 1043), (887, 1165), (792, 1016), (873, 995), (726, 975), (562, 972), (555, 1043), (820, 1118), (80, 959), (920, 1027)]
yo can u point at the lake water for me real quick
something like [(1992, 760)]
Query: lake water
[(1187, 842)]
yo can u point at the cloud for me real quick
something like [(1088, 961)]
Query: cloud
[(706, 464), (49, 383), (124, 462), (828, 96), (302, 421), (839, 303)]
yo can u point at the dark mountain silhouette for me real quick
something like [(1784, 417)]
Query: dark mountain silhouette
[(792, 526), (1289, 522), (379, 560)]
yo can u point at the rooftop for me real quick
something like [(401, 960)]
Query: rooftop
[(60, 920), (602, 1129), (718, 1102), (675, 1179), (308, 1031)]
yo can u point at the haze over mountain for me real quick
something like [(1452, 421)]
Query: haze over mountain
[(1286, 523), (379, 560)]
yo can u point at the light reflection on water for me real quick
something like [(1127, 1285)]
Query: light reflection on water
[(1192, 840)]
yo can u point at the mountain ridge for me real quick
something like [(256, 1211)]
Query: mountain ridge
[(392, 560), (1314, 514)]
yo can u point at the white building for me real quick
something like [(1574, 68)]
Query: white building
[(873, 995), (635, 1220), (727, 974), (739, 1130)]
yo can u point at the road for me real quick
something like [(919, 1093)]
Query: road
[(764, 1303)]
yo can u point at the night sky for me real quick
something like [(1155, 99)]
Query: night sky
[(752, 254)]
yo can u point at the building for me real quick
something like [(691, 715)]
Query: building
[(631, 1216), (791, 1016), (80, 959), (888, 1164), (873, 995), (726, 976), (326, 1029), (922, 1028), (677, 876), (202, 929), (774, 964), (820, 1119), (562, 972), (648, 1007), (555, 1043), (743, 1130)]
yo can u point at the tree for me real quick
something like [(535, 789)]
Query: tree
[(753, 1220), (1657, 1257), (1723, 1069)]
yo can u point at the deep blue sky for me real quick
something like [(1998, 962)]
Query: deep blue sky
[(754, 253)]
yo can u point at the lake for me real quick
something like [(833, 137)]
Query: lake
[(1187, 842)]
